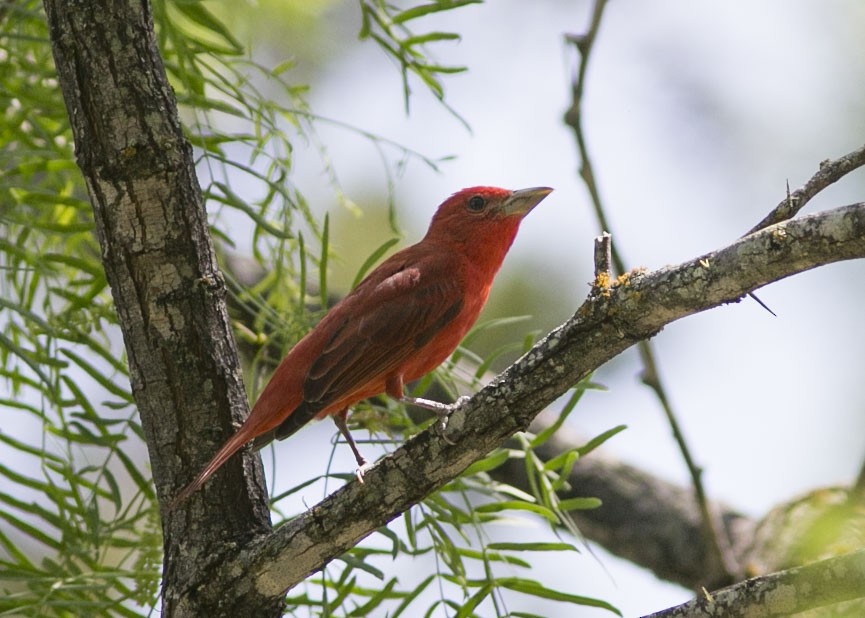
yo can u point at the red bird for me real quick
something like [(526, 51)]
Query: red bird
[(401, 322)]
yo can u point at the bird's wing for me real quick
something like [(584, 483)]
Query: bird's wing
[(384, 325)]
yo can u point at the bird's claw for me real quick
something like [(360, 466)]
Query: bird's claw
[(441, 429), (444, 415), (362, 469)]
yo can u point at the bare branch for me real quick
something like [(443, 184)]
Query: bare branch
[(603, 255), (831, 171)]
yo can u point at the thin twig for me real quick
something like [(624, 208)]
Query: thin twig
[(831, 170), (650, 376), (603, 255)]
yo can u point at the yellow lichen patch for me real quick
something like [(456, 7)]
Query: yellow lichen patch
[(625, 278), (601, 284)]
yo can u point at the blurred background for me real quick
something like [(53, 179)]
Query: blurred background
[(697, 115)]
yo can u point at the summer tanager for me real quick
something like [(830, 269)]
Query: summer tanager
[(402, 321)]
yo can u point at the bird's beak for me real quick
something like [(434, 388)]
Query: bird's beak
[(522, 201)]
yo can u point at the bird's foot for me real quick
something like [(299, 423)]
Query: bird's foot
[(442, 411), (362, 469), (441, 426)]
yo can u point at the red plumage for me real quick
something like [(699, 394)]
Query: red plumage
[(402, 321)]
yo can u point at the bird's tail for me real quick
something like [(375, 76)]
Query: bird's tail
[(260, 426), (301, 415), (228, 449)]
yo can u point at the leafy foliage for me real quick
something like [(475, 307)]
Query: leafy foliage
[(388, 25), (81, 531)]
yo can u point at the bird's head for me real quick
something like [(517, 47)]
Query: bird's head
[(483, 219)]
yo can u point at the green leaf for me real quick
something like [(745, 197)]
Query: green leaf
[(322, 263), (579, 504), (599, 440), (196, 12), (476, 599), (97, 375), (547, 433), (505, 546), (490, 462), (427, 9), (430, 38), (374, 257), (411, 596), (384, 594), (512, 505), (536, 589)]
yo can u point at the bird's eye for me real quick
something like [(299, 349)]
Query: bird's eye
[(476, 203)]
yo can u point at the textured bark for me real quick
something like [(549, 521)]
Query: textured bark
[(160, 264), (790, 592)]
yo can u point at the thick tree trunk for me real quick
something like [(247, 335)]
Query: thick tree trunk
[(160, 264)]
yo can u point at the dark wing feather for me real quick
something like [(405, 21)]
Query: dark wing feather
[(388, 323), (303, 414)]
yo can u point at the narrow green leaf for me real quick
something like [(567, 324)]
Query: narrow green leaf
[(427, 9), (579, 504), (410, 597), (599, 440), (408, 522), (536, 589), (301, 256), (33, 532), (438, 68), (97, 375), (565, 469), (512, 505), (382, 595), (204, 18), (322, 263), (430, 37), (562, 460), (506, 546), (374, 257), (229, 198), (394, 539), (492, 556), (490, 462), (476, 599)]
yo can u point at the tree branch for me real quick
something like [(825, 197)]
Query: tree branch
[(634, 309), (785, 593), (830, 172)]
